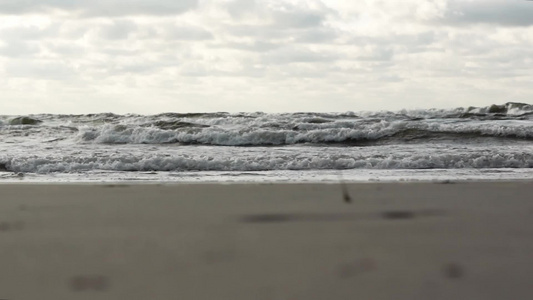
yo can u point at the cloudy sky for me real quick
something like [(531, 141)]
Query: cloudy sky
[(151, 56)]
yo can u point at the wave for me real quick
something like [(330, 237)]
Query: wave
[(281, 161), (510, 121), (511, 110), (351, 133)]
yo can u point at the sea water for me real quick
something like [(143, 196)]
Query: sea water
[(474, 143)]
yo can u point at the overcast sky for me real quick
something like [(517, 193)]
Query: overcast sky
[(151, 56)]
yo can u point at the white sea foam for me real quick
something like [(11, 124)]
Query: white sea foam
[(193, 158)]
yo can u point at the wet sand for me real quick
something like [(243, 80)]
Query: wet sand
[(267, 241)]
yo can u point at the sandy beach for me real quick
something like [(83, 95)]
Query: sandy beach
[(466, 240)]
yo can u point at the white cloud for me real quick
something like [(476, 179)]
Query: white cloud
[(39, 70), (270, 55)]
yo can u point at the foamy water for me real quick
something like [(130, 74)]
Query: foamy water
[(489, 143)]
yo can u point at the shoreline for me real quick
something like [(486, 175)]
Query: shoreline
[(273, 182), (275, 177)]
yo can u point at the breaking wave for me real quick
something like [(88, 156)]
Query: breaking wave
[(361, 132), (511, 120), (276, 159)]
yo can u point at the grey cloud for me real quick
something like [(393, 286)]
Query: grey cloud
[(19, 49), (270, 33), (29, 32), (297, 55), (384, 48), (298, 19), (118, 51), (318, 36), (137, 68), (99, 7), (378, 54), (505, 13), (138, 7), (411, 40), (300, 16), (266, 24), (66, 49), (239, 8), (123, 29), (74, 30), (471, 43), (301, 71), (281, 16), (118, 30), (390, 78), (186, 33), (257, 31), (518, 58), (197, 70), (255, 46)]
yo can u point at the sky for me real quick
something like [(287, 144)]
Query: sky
[(153, 56)]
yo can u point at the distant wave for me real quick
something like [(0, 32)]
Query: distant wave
[(509, 110), (508, 121)]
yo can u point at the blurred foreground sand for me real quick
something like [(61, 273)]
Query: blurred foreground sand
[(267, 241)]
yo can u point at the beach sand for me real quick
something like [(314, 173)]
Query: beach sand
[(470, 240)]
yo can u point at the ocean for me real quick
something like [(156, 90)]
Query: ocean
[(470, 143)]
